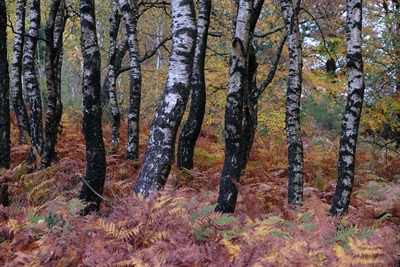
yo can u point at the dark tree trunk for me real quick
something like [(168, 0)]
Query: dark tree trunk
[(238, 83), (160, 148), (251, 111), (351, 119), (16, 83), (250, 119), (92, 187), (293, 94), (111, 76), (32, 84), (54, 32), (5, 144), (132, 148), (191, 129)]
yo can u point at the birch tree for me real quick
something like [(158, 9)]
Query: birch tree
[(192, 127), (16, 72), (32, 84), (54, 36), (111, 75), (129, 14), (238, 83), (5, 143), (293, 94), (92, 187), (352, 114), (160, 148)]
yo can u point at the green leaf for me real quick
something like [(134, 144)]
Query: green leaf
[(224, 219), (272, 220)]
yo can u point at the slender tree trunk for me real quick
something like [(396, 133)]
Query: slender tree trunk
[(119, 55), (234, 110), (32, 84), (54, 31), (132, 149), (5, 143), (60, 20), (111, 75), (92, 187), (160, 147), (351, 119), (191, 129), (16, 83), (250, 119), (293, 94), (251, 110)]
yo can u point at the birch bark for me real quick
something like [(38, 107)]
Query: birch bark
[(160, 148), (129, 14), (111, 76), (92, 187), (32, 84), (293, 95), (16, 72), (54, 32), (352, 114), (191, 129), (238, 83)]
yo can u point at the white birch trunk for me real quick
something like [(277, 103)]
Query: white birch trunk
[(351, 118), (160, 148)]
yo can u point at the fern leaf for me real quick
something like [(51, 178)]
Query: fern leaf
[(233, 249), (110, 228), (128, 234)]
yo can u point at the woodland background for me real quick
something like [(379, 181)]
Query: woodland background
[(178, 227)]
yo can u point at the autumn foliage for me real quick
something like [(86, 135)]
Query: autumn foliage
[(177, 226)]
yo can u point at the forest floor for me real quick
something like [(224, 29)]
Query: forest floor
[(177, 226)]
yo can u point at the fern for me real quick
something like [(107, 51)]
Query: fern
[(224, 219), (202, 234)]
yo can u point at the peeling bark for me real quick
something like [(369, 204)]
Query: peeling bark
[(191, 130), (160, 147), (32, 84), (238, 83), (54, 31), (129, 14), (16, 72), (352, 114), (293, 94), (92, 188), (5, 143)]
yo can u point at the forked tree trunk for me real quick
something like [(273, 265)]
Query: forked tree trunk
[(5, 143), (234, 110), (191, 129), (352, 114), (250, 107), (251, 110), (129, 14), (92, 187), (120, 53), (54, 32), (160, 147), (32, 84), (293, 95), (111, 75), (16, 72)]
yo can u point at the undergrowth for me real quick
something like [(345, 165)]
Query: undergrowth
[(178, 227)]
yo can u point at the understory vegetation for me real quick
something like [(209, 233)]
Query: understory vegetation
[(178, 227)]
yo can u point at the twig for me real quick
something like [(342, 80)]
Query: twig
[(97, 194)]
